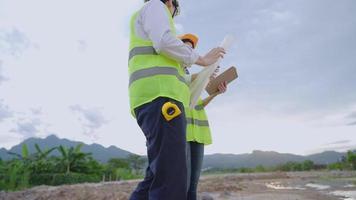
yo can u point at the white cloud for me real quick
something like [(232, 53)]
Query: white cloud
[(287, 98), (13, 42), (78, 56), (91, 118), (4, 111)]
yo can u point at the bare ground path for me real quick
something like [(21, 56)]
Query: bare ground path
[(266, 186)]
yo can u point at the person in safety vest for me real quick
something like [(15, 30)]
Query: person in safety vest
[(158, 93), (198, 131)]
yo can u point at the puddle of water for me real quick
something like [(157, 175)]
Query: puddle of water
[(317, 186), (348, 195), (279, 186)]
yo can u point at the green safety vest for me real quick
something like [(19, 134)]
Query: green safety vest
[(153, 75), (198, 129)]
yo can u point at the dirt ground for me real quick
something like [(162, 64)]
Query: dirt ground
[(261, 186)]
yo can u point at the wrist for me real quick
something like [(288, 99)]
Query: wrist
[(201, 61), (215, 94)]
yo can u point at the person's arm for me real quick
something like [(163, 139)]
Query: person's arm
[(222, 88), (207, 100), (194, 76), (156, 26)]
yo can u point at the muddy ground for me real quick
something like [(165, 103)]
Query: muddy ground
[(257, 186)]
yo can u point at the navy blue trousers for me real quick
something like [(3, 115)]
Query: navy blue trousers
[(166, 174), (195, 155)]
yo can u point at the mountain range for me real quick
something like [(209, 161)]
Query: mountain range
[(98, 151), (266, 158), (103, 154)]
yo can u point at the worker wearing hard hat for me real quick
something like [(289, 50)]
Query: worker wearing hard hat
[(198, 131), (158, 94)]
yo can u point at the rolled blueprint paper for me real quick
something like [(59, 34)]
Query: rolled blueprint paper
[(202, 80)]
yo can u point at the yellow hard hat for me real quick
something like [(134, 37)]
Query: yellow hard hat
[(189, 38)]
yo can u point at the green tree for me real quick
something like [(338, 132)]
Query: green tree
[(351, 159), (2, 175), (93, 167), (42, 155), (72, 159), (118, 163), (20, 170), (336, 166), (307, 165), (41, 163), (260, 168), (112, 172), (136, 163)]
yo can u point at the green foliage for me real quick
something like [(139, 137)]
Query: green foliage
[(307, 165), (13, 175), (125, 174), (336, 166), (347, 163), (287, 167), (64, 178), (25, 153), (245, 170), (136, 163), (72, 166), (290, 166), (260, 168), (72, 159), (351, 159), (118, 163), (111, 169)]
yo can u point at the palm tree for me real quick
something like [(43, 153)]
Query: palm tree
[(40, 155), (41, 162), (25, 156), (72, 158), (20, 169)]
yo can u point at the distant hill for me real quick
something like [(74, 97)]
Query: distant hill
[(266, 158), (98, 151), (102, 154)]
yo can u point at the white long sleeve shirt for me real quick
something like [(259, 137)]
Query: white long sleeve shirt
[(152, 24)]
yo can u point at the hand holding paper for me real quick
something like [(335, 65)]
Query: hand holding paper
[(211, 57), (202, 79)]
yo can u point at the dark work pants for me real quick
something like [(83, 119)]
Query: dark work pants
[(195, 155), (166, 174)]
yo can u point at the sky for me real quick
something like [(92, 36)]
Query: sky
[(63, 71)]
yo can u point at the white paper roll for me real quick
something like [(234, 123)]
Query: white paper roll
[(202, 80)]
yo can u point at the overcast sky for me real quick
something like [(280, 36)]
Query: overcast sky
[(63, 71)]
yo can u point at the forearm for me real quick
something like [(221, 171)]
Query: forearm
[(174, 48), (194, 76), (207, 100), (200, 61)]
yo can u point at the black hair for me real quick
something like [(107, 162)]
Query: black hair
[(188, 40), (164, 1)]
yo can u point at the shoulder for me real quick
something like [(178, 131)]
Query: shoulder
[(153, 6)]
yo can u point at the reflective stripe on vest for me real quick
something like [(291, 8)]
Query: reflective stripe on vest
[(153, 71), (197, 122), (153, 75), (149, 50), (198, 129)]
